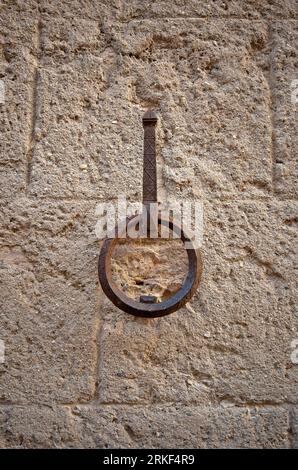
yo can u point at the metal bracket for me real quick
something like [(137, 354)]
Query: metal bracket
[(148, 305)]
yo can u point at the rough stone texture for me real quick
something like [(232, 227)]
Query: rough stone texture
[(50, 303), (78, 76), (144, 427), (285, 110), (251, 9), (146, 267), (294, 417), (234, 342), (89, 115), (16, 71), (31, 427)]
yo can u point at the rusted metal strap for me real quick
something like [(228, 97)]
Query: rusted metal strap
[(148, 305), (149, 168)]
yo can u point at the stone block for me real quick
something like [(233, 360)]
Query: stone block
[(232, 342), (49, 304), (285, 100)]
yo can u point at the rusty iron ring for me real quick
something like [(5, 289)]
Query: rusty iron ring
[(150, 310)]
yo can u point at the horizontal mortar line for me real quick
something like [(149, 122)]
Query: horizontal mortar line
[(273, 197), (213, 18), (95, 403), (173, 18), (191, 18), (190, 403), (95, 20)]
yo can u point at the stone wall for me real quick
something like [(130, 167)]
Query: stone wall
[(76, 79)]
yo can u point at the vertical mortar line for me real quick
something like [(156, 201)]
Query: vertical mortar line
[(271, 83), (291, 427), (99, 348), (34, 99), (100, 365)]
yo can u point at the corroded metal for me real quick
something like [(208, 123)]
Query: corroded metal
[(149, 165), (148, 305)]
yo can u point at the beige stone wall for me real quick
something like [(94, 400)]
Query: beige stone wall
[(76, 78)]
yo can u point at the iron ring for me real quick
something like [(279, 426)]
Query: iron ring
[(150, 310)]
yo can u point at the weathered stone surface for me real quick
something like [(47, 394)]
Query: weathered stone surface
[(175, 426), (285, 99), (17, 46), (37, 427), (93, 90), (149, 267), (91, 9), (9, 10), (234, 341), (250, 301), (144, 427), (49, 303), (250, 9), (294, 427), (82, 138), (136, 10), (78, 77)]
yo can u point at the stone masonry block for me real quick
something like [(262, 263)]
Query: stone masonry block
[(185, 427), (233, 341), (17, 58), (285, 99), (144, 427), (49, 303), (206, 81), (127, 10), (36, 427)]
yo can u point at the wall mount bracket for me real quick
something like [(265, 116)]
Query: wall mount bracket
[(148, 306)]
